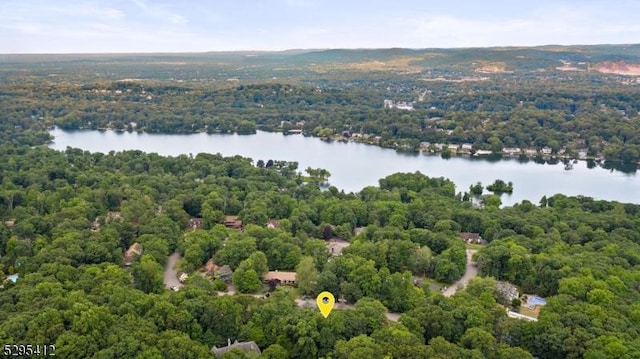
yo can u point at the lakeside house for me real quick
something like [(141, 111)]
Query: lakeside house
[(467, 147), (243, 346), (511, 151)]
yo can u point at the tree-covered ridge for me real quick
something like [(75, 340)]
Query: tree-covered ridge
[(583, 255), (530, 116)]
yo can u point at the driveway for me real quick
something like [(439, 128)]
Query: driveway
[(470, 273), (170, 273), (311, 303)]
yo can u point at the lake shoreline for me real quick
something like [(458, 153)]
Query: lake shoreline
[(354, 166), (367, 141)]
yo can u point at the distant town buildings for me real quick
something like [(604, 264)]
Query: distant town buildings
[(408, 106)]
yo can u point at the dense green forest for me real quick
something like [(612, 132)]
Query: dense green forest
[(68, 218), (583, 255)]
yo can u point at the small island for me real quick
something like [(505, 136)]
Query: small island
[(499, 187)]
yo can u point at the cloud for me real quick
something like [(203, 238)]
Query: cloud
[(300, 3), (161, 12), (113, 14), (558, 24)]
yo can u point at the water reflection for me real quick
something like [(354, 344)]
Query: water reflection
[(628, 168)]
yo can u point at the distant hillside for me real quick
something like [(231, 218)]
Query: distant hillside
[(321, 65), (618, 68)]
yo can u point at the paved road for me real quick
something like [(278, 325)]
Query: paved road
[(170, 273), (171, 280), (470, 273), (311, 303)]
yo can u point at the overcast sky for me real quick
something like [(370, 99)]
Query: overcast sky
[(75, 26)]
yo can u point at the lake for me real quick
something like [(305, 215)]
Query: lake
[(355, 165)]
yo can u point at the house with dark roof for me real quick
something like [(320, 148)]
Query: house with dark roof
[(244, 346), (232, 222)]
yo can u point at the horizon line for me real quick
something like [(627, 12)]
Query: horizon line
[(313, 50)]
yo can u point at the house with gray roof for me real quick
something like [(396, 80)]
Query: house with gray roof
[(244, 346)]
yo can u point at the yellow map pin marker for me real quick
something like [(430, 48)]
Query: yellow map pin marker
[(325, 302)]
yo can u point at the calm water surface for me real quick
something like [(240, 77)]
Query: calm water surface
[(354, 166)]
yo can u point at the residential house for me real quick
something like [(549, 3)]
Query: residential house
[(95, 225), (210, 267), (282, 278), (404, 106), (511, 151), (507, 292), (582, 154), (467, 147), (244, 346), (132, 253), (531, 152), (273, 223), (111, 216), (232, 222), (453, 148), (336, 245), (482, 153), (546, 151), (472, 238), (183, 277), (439, 146), (224, 273), (10, 223), (195, 223)]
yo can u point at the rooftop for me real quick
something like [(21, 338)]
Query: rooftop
[(244, 346)]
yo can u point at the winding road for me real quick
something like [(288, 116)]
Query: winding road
[(470, 273), (171, 280), (170, 273)]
